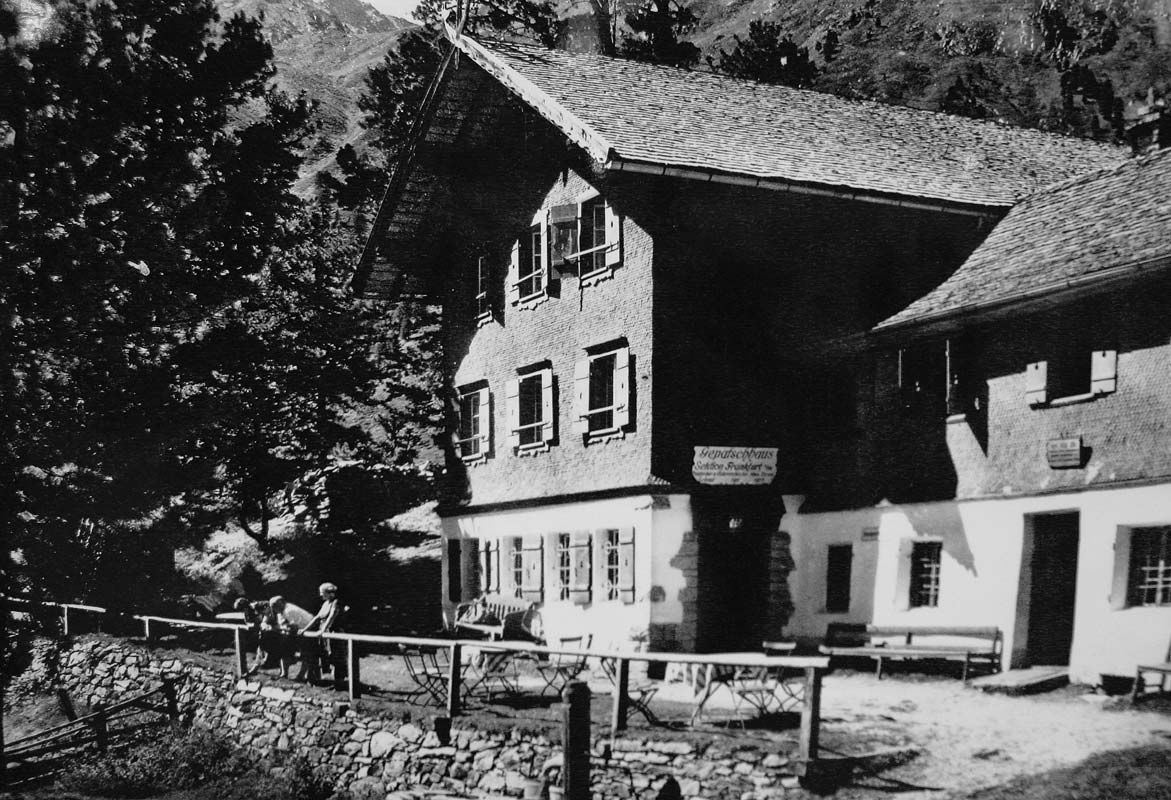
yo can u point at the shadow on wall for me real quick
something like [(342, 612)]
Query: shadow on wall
[(943, 521)]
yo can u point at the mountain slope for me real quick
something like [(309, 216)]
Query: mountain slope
[(324, 48)]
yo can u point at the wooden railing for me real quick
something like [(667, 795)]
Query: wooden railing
[(812, 667), (97, 727)]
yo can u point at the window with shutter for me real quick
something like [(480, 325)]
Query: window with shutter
[(923, 378), (1036, 383), (1104, 371), (532, 263), (602, 392), (516, 565), (617, 558), (581, 565), (1150, 567), (563, 565), (490, 567), (474, 436), (483, 291), (532, 584), (531, 415)]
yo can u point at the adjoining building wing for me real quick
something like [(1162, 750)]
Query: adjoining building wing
[(1076, 236)]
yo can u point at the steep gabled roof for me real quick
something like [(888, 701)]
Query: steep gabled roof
[(1092, 230), (626, 111), (630, 116)]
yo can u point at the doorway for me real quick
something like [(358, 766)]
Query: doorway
[(1052, 588)]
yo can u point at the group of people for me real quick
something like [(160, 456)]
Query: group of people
[(279, 627)]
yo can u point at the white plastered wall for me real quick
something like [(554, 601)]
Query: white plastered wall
[(607, 622), (981, 571)]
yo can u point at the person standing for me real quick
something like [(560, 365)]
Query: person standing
[(327, 620)]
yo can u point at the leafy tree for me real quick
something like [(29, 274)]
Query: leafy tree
[(768, 55), (656, 30), (145, 169), (524, 19), (300, 375)]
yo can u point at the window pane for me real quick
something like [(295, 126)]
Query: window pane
[(518, 566), (564, 566), (469, 424), (601, 413), (1150, 566), (925, 562), (530, 410), (611, 562)]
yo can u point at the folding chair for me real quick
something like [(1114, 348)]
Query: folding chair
[(494, 669), (428, 668), (561, 668), (638, 694)]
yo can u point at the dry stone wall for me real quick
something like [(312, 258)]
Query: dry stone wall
[(387, 755)]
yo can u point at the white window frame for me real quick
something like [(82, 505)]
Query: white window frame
[(935, 579), (619, 408), (546, 425), (611, 245), (1156, 578), (483, 291), (482, 434), (533, 247)]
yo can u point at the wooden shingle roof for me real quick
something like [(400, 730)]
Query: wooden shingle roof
[(644, 113), (1092, 230)]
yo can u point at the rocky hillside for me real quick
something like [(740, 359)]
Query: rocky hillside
[(324, 48)]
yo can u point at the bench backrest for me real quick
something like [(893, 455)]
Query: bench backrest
[(846, 634), (501, 605)]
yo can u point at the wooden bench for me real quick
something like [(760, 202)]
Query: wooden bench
[(982, 645), (490, 614)]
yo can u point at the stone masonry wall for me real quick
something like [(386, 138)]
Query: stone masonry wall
[(376, 755)]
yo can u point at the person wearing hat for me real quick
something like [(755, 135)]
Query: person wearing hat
[(326, 620)]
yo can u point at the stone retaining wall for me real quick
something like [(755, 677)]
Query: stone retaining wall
[(377, 754)]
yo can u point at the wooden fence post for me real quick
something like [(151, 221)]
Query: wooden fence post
[(353, 671), (241, 653), (453, 680), (172, 699), (810, 719), (621, 696), (65, 620), (575, 741), (101, 727), (147, 634)]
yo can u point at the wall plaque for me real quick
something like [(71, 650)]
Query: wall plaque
[(726, 466), (1064, 453)]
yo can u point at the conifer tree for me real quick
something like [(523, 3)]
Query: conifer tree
[(656, 31), (767, 55)]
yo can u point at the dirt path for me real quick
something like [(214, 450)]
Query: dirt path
[(969, 740)]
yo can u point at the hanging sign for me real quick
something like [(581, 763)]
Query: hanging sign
[(725, 466)]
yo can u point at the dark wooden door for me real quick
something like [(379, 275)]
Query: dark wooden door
[(1054, 588), (733, 567)]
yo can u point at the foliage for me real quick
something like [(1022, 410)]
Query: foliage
[(524, 19), (656, 28), (134, 207), (768, 55), (194, 759)]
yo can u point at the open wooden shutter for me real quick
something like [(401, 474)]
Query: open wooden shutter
[(512, 405), (514, 274), (557, 590), (613, 237), (1104, 371), (533, 566), (548, 418), (485, 422), (626, 565), (581, 396), (472, 577), (581, 555), (622, 387), (1036, 378)]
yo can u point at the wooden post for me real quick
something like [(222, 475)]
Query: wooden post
[(453, 681), (172, 699), (810, 719), (575, 741), (66, 704), (65, 620), (146, 630), (241, 653), (353, 672), (101, 729), (621, 696)]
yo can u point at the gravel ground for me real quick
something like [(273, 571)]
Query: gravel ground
[(968, 740)]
